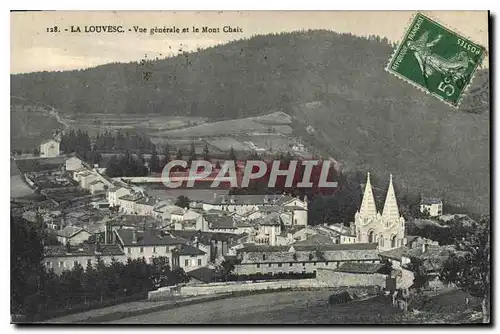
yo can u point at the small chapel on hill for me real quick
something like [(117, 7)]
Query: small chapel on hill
[(386, 228)]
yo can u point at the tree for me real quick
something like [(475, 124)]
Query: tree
[(154, 164), (470, 269), (182, 201), (26, 255), (226, 268), (178, 156), (232, 154), (192, 151), (166, 156), (421, 277), (206, 153)]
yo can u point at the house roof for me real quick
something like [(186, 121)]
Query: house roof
[(49, 141), (204, 274), (309, 247), (84, 250), (395, 254), (360, 268), (203, 237), (271, 219), (220, 222), (251, 199), (130, 197), (315, 239), (147, 238), (147, 201), (70, 231), (430, 200), (188, 250)]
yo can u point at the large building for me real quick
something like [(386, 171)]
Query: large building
[(304, 259), (432, 206), (49, 148), (386, 228)]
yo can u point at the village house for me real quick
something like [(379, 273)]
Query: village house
[(341, 233), (188, 257), (269, 228), (114, 193), (145, 206), (96, 186), (128, 203), (60, 258), (242, 204), (215, 244), (266, 259), (432, 206), (146, 244), (74, 163), (49, 148), (73, 235)]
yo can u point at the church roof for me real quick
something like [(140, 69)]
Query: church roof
[(368, 208), (391, 210)]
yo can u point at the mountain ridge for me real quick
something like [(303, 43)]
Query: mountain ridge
[(334, 83)]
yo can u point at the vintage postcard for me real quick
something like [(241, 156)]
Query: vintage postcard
[(316, 167)]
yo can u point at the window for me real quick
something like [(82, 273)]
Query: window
[(291, 264), (89, 262), (258, 265), (129, 250), (303, 263), (326, 263), (166, 249), (75, 263), (199, 262), (48, 264), (279, 265), (142, 250), (314, 263), (154, 249), (186, 263), (269, 265), (264, 257)]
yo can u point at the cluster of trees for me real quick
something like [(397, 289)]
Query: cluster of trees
[(36, 292), (90, 148), (126, 165), (469, 267), (445, 235)]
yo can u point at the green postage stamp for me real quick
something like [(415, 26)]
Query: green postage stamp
[(436, 59)]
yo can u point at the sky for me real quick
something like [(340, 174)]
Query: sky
[(33, 48)]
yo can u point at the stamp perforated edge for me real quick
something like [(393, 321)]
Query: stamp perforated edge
[(423, 89)]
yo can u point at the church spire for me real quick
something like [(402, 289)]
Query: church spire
[(368, 208), (391, 211)]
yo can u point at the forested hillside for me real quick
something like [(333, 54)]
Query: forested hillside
[(334, 83)]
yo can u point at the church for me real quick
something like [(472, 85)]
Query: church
[(386, 228)]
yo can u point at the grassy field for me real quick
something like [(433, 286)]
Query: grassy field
[(29, 126), (271, 123), (272, 308), (147, 123)]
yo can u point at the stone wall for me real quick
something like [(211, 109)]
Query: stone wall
[(231, 287), (330, 277)]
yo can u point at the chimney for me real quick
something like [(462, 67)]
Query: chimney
[(424, 247), (134, 237)]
